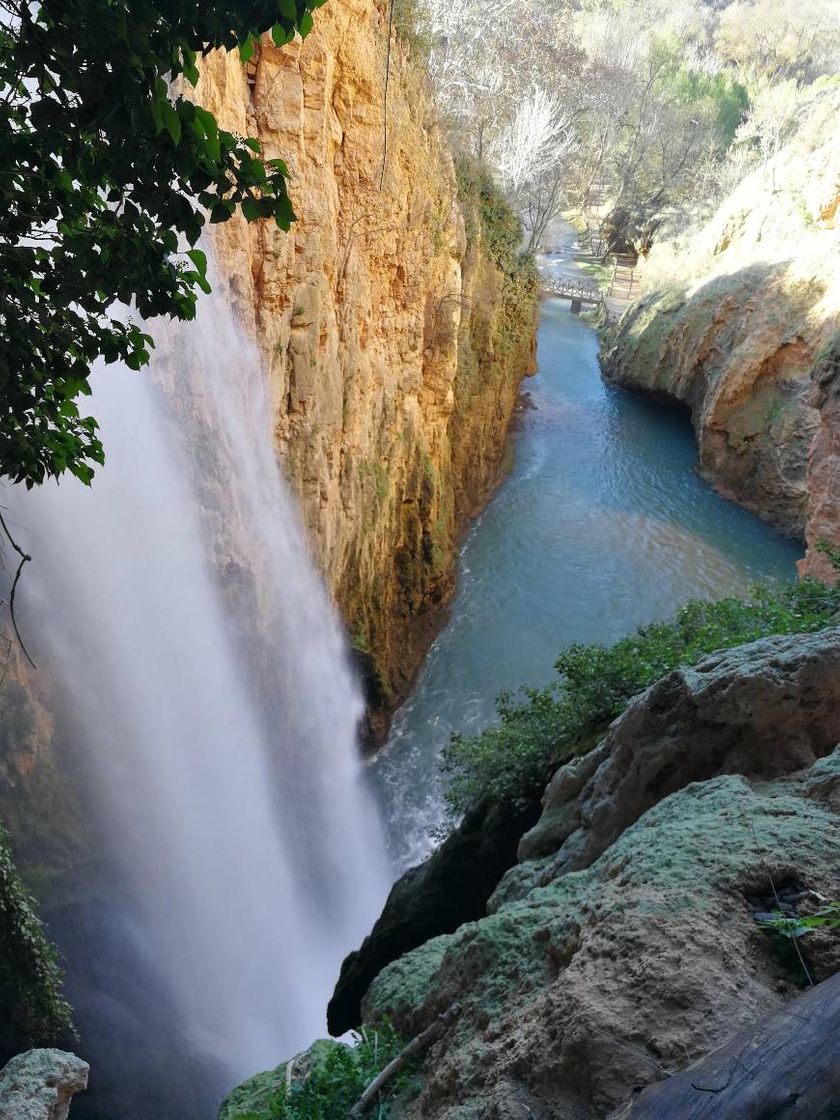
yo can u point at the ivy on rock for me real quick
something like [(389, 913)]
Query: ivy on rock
[(105, 177)]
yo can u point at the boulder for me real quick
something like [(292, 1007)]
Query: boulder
[(39, 1085), (580, 992)]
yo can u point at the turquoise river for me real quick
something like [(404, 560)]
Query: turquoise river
[(602, 524)]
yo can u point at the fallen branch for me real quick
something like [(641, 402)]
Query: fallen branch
[(421, 1042)]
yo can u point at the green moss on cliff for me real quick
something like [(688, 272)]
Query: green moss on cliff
[(671, 869), (496, 336), (492, 222)]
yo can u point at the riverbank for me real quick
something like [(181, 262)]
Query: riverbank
[(739, 321)]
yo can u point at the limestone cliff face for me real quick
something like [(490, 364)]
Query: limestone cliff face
[(735, 323), (366, 314)]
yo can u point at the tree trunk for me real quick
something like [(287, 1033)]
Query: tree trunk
[(785, 1067)]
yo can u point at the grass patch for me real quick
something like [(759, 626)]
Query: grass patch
[(597, 270), (540, 728)]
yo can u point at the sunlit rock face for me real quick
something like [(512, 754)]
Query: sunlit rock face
[(367, 313), (737, 322)]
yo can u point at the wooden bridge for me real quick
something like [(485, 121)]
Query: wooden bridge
[(580, 292)]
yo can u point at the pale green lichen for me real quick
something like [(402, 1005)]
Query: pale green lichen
[(688, 853)]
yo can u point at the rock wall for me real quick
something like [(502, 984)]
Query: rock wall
[(734, 323), (367, 313)]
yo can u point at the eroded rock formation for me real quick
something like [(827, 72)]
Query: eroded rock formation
[(393, 341), (40, 1084), (628, 947), (763, 709), (736, 323)]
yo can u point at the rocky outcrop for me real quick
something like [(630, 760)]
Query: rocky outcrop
[(762, 710), (40, 1084), (824, 465), (394, 342), (734, 322), (628, 948), (451, 887)]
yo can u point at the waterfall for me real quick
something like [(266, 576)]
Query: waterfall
[(207, 692)]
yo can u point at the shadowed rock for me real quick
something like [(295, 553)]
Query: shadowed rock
[(451, 887)]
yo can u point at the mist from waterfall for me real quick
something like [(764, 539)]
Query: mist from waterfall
[(206, 689)]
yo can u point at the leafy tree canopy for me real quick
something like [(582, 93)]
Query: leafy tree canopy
[(104, 178)]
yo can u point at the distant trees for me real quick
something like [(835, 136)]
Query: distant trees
[(530, 155), (780, 39), (648, 108), (771, 116)]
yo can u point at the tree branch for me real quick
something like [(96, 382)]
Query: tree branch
[(24, 559), (421, 1042)]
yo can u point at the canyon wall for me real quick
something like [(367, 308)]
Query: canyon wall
[(393, 340), (395, 332), (739, 323)]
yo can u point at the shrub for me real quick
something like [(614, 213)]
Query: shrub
[(513, 760), (501, 226), (338, 1077), (33, 1011)]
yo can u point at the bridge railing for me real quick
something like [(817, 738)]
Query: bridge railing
[(588, 291)]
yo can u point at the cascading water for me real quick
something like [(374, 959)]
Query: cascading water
[(207, 694)]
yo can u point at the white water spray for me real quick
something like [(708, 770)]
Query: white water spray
[(207, 684)]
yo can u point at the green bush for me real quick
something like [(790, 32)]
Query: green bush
[(338, 1077), (513, 760), (33, 1011), (501, 226)]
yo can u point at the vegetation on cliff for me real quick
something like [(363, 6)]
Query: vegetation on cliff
[(33, 1011), (512, 762), (323, 1083), (486, 207)]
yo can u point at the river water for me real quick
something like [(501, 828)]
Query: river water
[(603, 524)]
